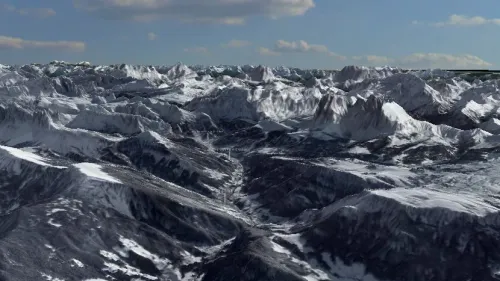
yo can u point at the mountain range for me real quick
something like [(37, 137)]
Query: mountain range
[(249, 173)]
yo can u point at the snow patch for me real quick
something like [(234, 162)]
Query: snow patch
[(109, 255), (51, 278), (95, 171), (427, 199), (127, 270), (314, 274), (28, 156), (345, 272), (77, 263), (51, 222)]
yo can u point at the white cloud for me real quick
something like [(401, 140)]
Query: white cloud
[(425, 60), (8, 8), (437, 60), (461, 20), (152, 36), (237, 44), (374, 60), (216, 11), (226, 21), (198, 50), (267, 52), (301, 46), (19, 43), (32, 12)]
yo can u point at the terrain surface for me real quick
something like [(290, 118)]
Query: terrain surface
[(248, 173)]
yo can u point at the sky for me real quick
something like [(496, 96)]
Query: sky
[(325, 34)]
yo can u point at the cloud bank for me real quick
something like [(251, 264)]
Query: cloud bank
[(426, 60), (301, 46), (214, 11), (30, 12), (237, 44), (7, 42)]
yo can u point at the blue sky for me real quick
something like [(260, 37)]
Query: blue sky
[(324, 34)]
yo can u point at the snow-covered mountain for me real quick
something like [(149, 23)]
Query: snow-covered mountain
[(184, 173)]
